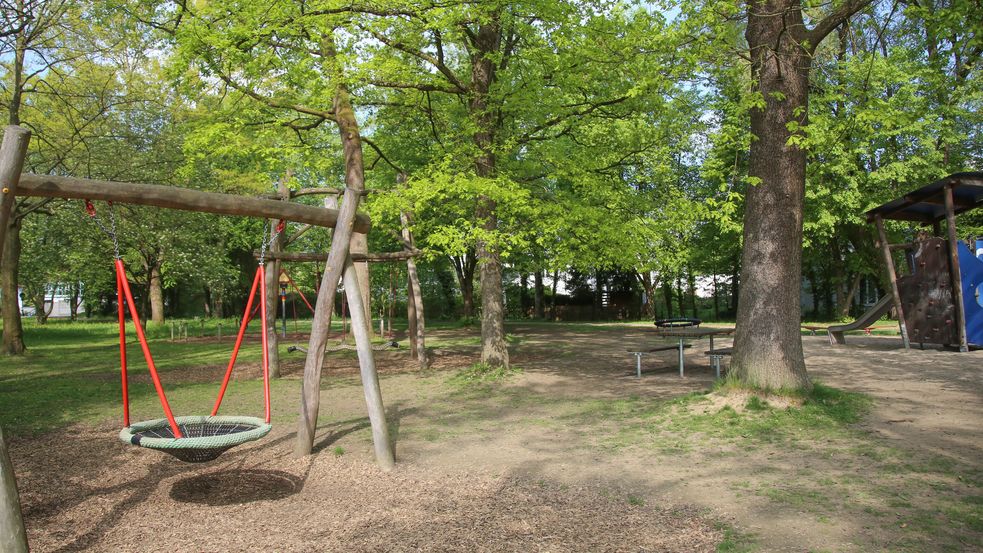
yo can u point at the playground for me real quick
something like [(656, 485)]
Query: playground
[(491, 276), (573, 452)]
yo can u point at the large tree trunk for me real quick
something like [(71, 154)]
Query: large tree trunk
[(767, 344), (487, 43), (13, 328)]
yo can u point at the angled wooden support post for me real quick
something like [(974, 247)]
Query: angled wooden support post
[(954, 270), (366, 362), (893, 277), (13, 150)]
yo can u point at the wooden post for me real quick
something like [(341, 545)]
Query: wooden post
[(13, 536), (893, 277), (273, 284), (359, 248), (338, 260), (954, 271), (366, 362), (414, 297), (13, 150)]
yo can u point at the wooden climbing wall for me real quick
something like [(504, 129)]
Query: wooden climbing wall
[(926, 295)]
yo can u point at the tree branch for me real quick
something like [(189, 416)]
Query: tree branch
[(833, 20)]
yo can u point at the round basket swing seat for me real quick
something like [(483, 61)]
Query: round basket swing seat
[(205, 438)]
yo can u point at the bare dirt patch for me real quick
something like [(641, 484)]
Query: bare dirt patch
[(81, 492), (740, 401)]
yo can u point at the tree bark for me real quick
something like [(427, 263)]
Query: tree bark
[(667, 295), (487, 44), (155, 288), (645, 279), (464, 267), (768, 344), (414, 300), (73, 307), (539, 291), (13, 328), (556, 279), (852, 293)]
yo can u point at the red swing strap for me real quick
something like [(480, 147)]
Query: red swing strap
[(259, 285), (121, 301), (121, 280)]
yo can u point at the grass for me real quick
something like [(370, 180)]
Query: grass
[(70, 373), (481, 373)]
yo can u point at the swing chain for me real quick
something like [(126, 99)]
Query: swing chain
[(273, 234), (111, 231)]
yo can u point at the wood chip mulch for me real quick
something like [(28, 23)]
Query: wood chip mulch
[(81, 490)]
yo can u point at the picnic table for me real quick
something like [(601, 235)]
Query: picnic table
[(690, 332)]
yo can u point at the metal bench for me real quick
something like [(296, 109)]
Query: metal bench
[(639, 353), (716, 356)]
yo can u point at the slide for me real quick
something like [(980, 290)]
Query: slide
[(878, 310)]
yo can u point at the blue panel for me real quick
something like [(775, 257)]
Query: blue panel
[(971, 269)]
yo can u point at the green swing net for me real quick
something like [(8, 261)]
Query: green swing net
[(194, 439)]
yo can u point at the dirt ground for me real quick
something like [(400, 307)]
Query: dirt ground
[(516, 476)]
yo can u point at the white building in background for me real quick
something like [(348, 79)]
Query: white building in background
[(60, 303)]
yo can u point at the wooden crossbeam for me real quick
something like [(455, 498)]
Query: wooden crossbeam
[(368, 257), (184, 199)]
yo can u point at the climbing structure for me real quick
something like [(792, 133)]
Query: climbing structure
[(938, 300)]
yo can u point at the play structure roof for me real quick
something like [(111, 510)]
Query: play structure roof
[(927, 204)]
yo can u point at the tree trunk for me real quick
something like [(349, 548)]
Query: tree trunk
[(681, 296), (218, 303), (735, 285), (556, 279), (73, 307), (523, 295), (848, 300), (40, 302), (538, 291), (13, 329), (716, 298), (667, 295), (692, 293), (156, 292), (768, 344), (487, 43), (414, 300), (645, 279), (464, 267)]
